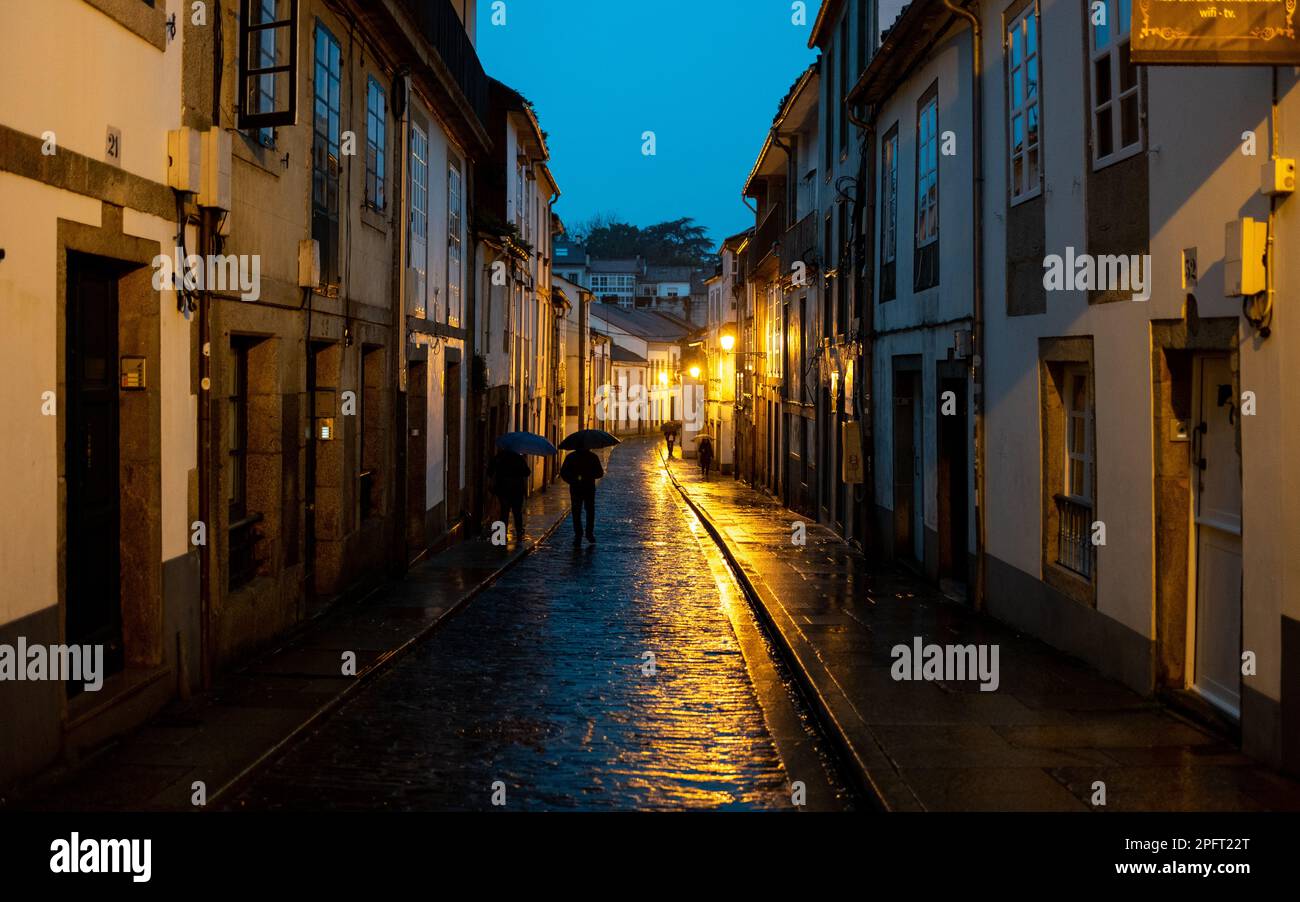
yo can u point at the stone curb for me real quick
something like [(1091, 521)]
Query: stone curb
[(871, 770)]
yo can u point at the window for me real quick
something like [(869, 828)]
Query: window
[(1074, 507), (1078, 453), (237, 430), (418, 246), (1116, 93), (1023, 105), (864, 45), (241, 558), (262, 48), (889, 214), (828, 79), (376, 144), (925, 262), (840, 110), (842, 267), (927, 171), (519, 199), (325, 154), (268, 64), (454, 241)]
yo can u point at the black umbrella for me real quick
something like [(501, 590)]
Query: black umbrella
[(588, 439), (526, 443)]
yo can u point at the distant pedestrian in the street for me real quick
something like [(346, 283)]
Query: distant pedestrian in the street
[(509, 473), (705, 451), (670, 438), (581, 470)]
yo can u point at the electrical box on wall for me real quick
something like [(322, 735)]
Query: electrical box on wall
[(1277, 176), (308, 263), (1243, 257), (184, 160), (214, 189)]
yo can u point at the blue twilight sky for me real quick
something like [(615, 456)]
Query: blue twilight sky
[(704, 75)]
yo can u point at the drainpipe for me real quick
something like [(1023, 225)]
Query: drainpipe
[(205, 466), (977, 248), (398, 552), (867, 324), (583, 340)]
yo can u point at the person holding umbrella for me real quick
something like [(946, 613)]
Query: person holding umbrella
[(509, 473), (705, 451), (670, 435), (581, 470)]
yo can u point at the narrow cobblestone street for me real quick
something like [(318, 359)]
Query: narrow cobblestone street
[(541, 684)]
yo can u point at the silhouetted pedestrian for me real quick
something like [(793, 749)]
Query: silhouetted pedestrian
[(581, 470), (705, 451), (670, 438), (509, 473)]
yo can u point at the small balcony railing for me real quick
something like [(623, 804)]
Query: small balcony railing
[(1074, 549), (767, 237), (443, 29), (800, 243)]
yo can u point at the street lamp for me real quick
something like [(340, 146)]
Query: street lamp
[(728, 338), (695, 372), (663, 377)]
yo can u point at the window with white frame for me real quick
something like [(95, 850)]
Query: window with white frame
[(1116, 92), (1023, 115), (1078, 444), (927, 170)]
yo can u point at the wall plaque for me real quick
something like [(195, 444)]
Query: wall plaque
[(1215, 32)]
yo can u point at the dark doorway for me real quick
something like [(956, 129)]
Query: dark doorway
[(417, 401), (94, 602), (953, 484), (824, 457), (908, 536)]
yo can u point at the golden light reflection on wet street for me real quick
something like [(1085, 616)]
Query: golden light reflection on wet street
[(586, 678)]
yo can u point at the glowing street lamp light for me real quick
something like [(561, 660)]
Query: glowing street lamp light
[(695, 372), (663, 377), (728, 338)]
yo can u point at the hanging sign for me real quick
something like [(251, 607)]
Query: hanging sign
[(1210, 32)]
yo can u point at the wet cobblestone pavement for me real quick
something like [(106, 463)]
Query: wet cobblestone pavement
[(540, 684)]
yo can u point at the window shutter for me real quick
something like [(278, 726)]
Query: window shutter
[(281, 30)]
